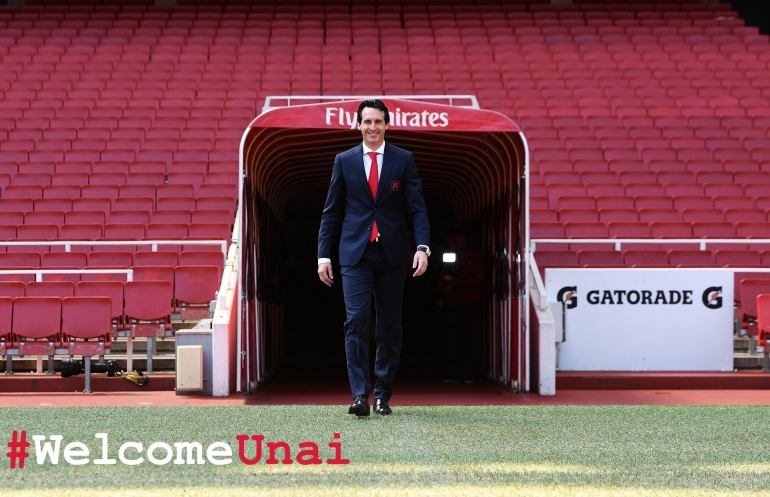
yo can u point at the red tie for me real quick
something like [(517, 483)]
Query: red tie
[(373, 187)]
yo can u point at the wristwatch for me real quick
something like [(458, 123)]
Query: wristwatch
[(424, 248)]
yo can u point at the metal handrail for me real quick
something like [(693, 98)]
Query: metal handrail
[(541, 298), (338, 98)]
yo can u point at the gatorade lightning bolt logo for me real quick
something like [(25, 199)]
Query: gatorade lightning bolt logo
[(712, 297), (568, 295)]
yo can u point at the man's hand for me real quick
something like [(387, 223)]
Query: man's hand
[(325, 273), (420, 262)]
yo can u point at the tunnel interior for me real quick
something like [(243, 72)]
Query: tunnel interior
[(293, 324), (313, 314)]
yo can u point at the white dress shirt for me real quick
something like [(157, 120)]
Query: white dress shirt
[(368, 167)]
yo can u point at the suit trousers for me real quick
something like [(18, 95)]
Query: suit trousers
[(373, 275)]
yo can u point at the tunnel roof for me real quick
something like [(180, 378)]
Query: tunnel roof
[(470, 156)]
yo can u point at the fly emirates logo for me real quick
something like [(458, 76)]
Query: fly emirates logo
[(424, 119)]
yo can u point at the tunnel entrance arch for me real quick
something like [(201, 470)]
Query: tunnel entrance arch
[(474, 159)]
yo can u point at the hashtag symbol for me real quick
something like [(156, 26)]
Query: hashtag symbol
[(18, 448)]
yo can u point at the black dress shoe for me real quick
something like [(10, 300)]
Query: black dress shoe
[(381, 407), (360, 406)]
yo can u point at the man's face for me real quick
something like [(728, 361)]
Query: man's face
[(373, 127)]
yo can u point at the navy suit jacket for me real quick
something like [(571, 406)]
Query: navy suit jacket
[(350, 208)]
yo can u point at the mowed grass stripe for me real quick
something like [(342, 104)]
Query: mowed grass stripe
[(511, 450)]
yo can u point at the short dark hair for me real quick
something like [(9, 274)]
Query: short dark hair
[(375, 104)]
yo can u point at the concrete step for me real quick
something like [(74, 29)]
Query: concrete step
[(166, 345), (741, 343), (744, 360), (160, 362)]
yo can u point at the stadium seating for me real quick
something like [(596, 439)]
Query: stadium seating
[(122, 119)]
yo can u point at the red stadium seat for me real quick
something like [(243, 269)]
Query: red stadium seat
[(53, 218), (111, 289), (218, 190), (176, 203), (209, 258), (547, 258), (600, 257), (750, 289), (37, 326), (101, 204), (195, 287), (219, 231), (130, 231), (171, 259), (212, 216), (23, 192), (133, 204), (63, 259), (80, 232), (171, 216), (763, 323), (691, 257), (83, 217), (628, 229), (87, 329), (88, 318), (19, 259), (130, 217), (218, 203), (12, 289), (737, 258), (148, 307), (53, 205), (645, 257), (60, 289), (110, 259), (16, 205)]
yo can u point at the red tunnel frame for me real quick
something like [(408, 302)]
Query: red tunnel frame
[(477, 159)]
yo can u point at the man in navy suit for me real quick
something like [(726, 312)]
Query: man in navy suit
[(372, 187)]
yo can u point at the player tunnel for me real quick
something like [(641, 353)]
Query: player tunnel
[(472, 164)]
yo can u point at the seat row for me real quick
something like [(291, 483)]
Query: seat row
[(686, 214), (112, 231), (117, 259), (679, 195), (67, 199), (134, 212), (188, 286), (525, 31), (641, 256), (554, 174), (166, 154), (652, 229), (132, 309), (138, 308), (119, 179), (752, 185), (113, 192), (193, 9), (54, 326)]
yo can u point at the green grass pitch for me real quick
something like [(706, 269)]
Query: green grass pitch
[(457, 451)]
